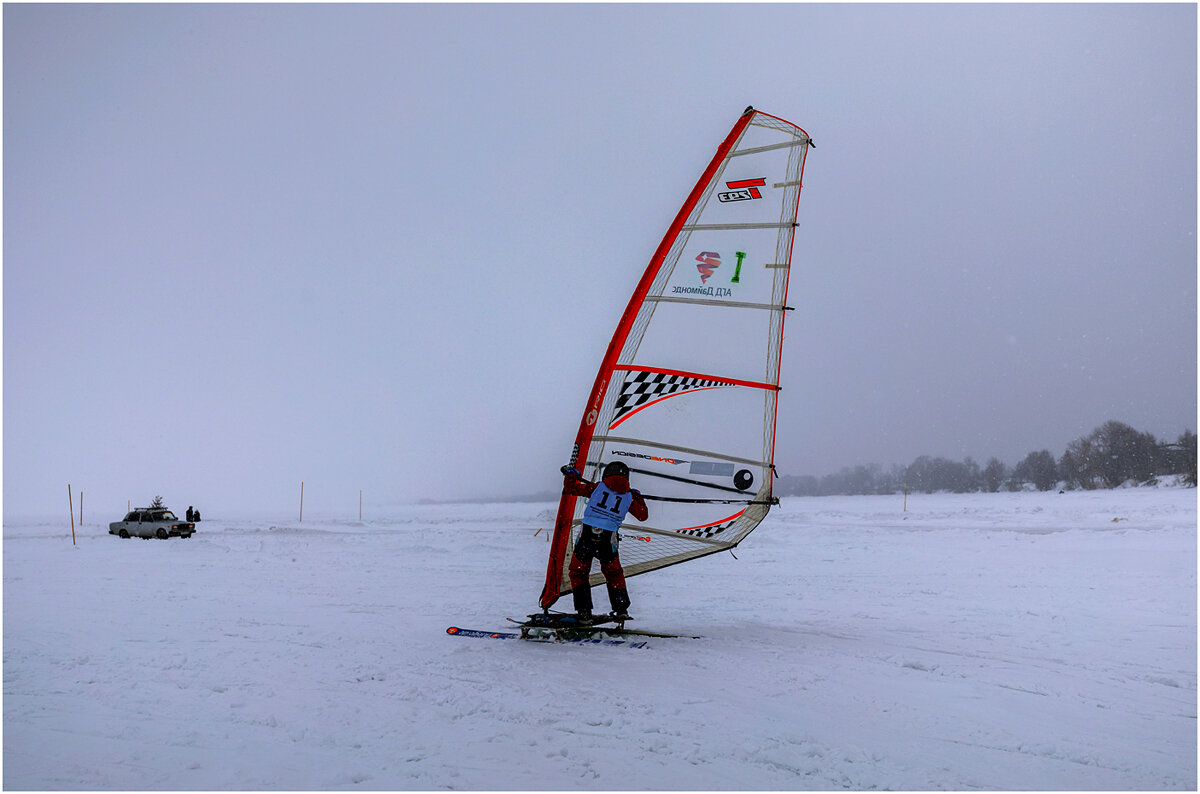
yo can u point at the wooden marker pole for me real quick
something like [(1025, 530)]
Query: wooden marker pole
[(360, 504), (81, 509), (71, 500), (302, 501)]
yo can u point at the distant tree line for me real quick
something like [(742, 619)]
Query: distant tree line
[(1111, 455)]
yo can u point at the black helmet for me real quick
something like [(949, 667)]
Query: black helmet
[(616, 468)]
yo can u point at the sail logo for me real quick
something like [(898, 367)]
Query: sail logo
[(648, 457), (597, 400), (742, 190), (708, 262)]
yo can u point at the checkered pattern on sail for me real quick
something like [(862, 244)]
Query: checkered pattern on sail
[(710, 531), (645, 387)]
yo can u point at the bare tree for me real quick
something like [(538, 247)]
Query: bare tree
[(994, 474), (1038, 468)]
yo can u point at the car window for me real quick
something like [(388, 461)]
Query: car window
[(131, 517), (165, 515)]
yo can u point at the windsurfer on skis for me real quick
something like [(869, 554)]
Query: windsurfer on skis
[(608, 503)]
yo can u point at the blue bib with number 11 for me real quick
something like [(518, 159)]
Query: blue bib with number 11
[(606, 508)]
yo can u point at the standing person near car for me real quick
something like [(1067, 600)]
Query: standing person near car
[(609, 501)]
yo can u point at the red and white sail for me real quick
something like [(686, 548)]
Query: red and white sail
[(686, 394)]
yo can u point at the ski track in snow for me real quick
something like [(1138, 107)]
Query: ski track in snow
[(985, 641)]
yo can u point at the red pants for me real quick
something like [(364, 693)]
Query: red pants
[(598, 544)]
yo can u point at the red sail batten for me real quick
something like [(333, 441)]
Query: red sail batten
[(566, 505)]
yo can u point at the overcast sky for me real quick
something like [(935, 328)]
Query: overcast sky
[(384, 247)]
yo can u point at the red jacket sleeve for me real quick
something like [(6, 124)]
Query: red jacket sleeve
[(577, 486), (638, 508)]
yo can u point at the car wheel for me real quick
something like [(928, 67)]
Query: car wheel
[(162, 534), (124, 533)]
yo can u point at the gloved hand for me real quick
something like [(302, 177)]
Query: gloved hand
[(569, 472)]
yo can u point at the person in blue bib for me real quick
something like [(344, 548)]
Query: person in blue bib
[(609, 501)]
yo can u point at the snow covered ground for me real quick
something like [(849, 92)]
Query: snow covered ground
[(986, 641)]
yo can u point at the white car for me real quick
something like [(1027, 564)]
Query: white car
[(147, 522)]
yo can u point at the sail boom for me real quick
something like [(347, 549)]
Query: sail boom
[(697, 483)]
